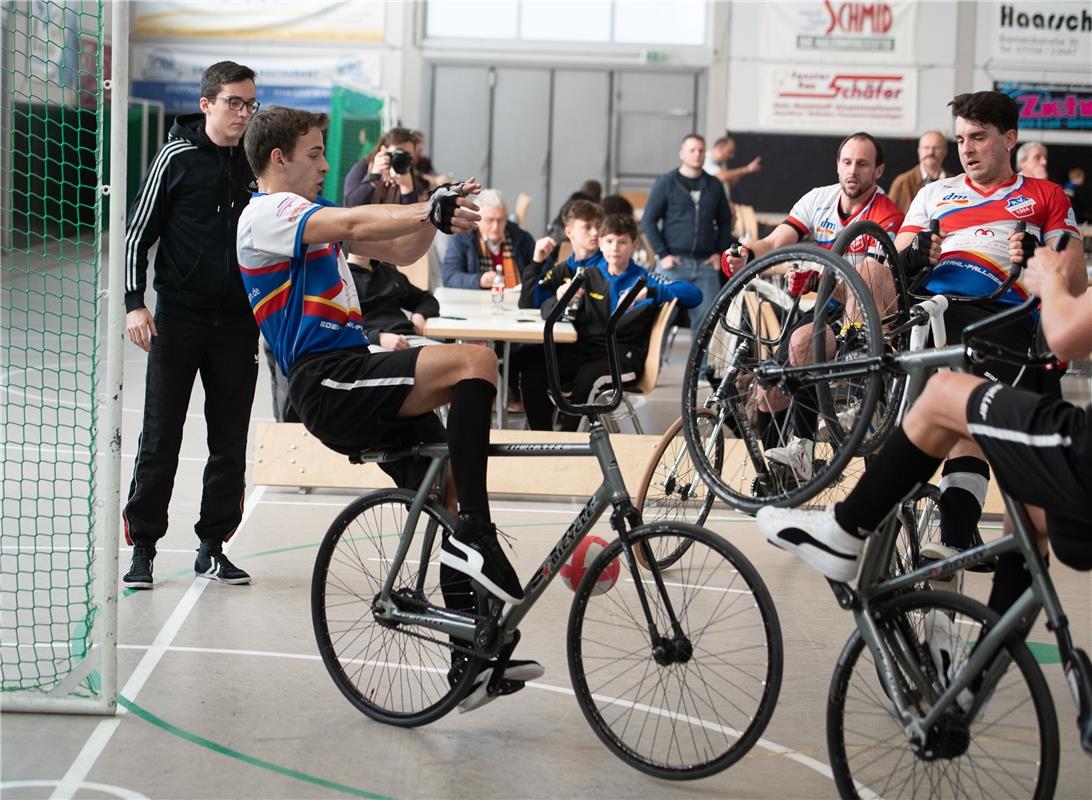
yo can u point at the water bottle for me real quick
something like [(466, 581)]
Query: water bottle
[(498, 293)]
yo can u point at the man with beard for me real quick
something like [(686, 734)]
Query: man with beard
[(822, 214), (932, 148)]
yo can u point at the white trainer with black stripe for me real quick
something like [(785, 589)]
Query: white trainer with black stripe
[(815, 537)]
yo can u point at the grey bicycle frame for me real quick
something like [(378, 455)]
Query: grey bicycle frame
[(873, 587), (611, 492)]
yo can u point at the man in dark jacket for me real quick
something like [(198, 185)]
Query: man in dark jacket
[(688, 223), (385, 295), (190, 202), (473, 259)]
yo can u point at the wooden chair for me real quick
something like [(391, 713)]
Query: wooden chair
[(523, 202), (417, 272), (744, 222), (638, 197)]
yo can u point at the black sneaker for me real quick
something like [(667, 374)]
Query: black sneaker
[(211, 563), (474, 551), (139, 575)]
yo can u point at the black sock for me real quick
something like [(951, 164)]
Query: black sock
[(468, 420), (1010, 579), (962, 493), (898, 469)]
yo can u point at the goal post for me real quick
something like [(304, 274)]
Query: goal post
[(61, 326)]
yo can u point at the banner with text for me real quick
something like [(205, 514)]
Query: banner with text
[(1051, 106), (295, 76), (822, 99), (246, 20), (1043, 33), (832, 31)]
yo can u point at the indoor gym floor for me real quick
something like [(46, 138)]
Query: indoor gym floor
[(223, 695)]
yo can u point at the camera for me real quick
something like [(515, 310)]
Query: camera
[(401, 160)]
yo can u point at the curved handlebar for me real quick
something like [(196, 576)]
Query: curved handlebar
[(613, 359)]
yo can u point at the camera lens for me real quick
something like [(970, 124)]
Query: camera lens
[(401, 160)]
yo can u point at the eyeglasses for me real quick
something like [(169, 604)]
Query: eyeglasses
[(238, 103)]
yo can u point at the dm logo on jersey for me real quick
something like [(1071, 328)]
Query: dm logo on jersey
[(1020, 206), (953, 199), (826, 227)]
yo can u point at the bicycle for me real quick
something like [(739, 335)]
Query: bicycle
[(932, 684), (892, 682), (677, 670)]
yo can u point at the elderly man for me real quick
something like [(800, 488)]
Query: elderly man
[(474, 258), (932, 148), (1031, 160)]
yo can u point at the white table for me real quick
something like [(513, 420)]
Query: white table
[(467, 315)]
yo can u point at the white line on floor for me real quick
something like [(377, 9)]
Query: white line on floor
[(76, 774)]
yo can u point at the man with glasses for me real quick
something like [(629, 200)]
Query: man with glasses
[(189, 202)]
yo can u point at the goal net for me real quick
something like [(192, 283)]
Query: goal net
[(56, 639)]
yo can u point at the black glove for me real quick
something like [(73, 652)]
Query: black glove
[(915, 258), (442, 204)]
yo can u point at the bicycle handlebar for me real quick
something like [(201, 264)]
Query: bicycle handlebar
[(614, 361)]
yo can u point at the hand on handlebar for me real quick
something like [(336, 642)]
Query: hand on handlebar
[(734, 259), (1021, 246), (1045, 266), (801, 281)]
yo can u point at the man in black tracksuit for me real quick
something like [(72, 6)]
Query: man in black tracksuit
[(190, 201)]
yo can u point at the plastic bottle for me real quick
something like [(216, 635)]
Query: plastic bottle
[(498, 293)]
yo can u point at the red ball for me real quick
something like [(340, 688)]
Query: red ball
[(583, 556)]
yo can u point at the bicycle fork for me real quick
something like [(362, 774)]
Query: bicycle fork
[(678, 648)]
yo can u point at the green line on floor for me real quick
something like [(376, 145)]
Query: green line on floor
[(148, 716)]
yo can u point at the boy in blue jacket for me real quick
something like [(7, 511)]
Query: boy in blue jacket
[(606, 282)]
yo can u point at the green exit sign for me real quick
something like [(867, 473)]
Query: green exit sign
[(655, 56)]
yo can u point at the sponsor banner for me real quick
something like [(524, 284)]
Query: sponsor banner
[(259, 20), (835, 31), (1054, 106), (822, 99), (1048, 32), (294, 76)]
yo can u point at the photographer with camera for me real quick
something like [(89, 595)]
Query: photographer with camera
[(386, 175)]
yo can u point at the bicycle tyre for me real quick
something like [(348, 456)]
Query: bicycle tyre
[(671, 489), (996, 750), (365, 658), (714, 706), (733, 338), (894, 384)]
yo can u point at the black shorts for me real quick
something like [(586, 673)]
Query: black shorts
[(1040, 449), (1020, 336), (350, 399)]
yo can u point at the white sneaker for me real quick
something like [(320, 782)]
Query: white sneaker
[(948, 651), (796, 455), (815, 537), (935, 551)]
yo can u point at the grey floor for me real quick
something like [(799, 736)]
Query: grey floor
[(223, 694)]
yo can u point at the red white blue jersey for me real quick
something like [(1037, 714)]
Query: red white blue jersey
[(817, 215), (975, 228), (302, 295)]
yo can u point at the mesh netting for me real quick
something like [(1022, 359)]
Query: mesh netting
[(49, 319), (356, 123)]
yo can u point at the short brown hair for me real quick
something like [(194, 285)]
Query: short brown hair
[(987, 108), (619, 225), (278, 128), (584, 210), (223, 72)]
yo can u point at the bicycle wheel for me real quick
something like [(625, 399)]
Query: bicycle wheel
[(698, 702), (671, 489), (393, 674), (1002, 745), (858, 240), (905, 554), (754, 323)]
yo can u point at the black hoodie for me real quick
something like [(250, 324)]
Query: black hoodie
[(190, 201)]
